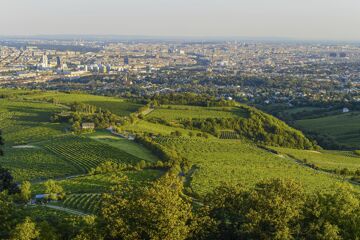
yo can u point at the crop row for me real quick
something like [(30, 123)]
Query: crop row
[(229, 135), (85, 153), (84, 202)]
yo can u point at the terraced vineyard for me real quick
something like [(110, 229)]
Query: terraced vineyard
[(85, 153), (87, 202), (229, 135)]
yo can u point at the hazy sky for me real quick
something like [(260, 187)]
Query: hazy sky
[(302, 19)]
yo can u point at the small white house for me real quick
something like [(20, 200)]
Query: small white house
[(346, 110)]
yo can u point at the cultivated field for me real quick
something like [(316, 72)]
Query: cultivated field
[(85, 153), (22, 122), (235, 161), (175, 112), (345, 128), (117, 106), (328, 160), (124, 145)]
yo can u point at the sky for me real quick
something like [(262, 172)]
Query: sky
[(297, 19)]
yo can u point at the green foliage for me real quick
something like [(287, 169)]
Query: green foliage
[(25, 231), (54, 190), (7, 214), (344, 163), (278, 209), (243, 120), (156, 212), (344, 128), (115, 105), (333, 214), (25, 191), (177, 112), (190, 99), (82, 113), (232, 161), (7, 182)]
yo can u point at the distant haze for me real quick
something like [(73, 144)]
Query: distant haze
[(298, 19)]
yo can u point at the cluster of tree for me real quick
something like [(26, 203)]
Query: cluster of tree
[(112, 167), (324, 140), (80, 113), (171, 159), (258, 127), (191, 99), (273, 209)]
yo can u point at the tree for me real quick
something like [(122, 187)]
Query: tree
[(25, 231), (333, 213), (155, 212), (1, 143), (25, 191), (7, 212), (7, 182), (54, 190), (272, 210), (47, 232)]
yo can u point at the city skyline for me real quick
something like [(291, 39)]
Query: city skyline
[(305, 20)]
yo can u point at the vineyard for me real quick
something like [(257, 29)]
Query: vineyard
[(117, 106), (327, 160), (87, 202), (175, 112), (100, 183), (229, 135), (85, 153), (23, 122), (232, 161), (344, 128), (124, 144), (35, 164)]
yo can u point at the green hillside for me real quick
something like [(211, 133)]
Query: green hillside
[(344, 128)]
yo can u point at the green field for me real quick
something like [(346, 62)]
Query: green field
[(123, 144), (148, 127), (85, 153), (23, 122), (175, 112), (117, 106), (34, 164), (100, 183), (327, 160), (233, 161), (345, 128)]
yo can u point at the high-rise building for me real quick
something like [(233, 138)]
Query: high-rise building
[(58, 62), (126, 60), (44, 61)]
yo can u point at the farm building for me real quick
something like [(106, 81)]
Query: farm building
[(88, 126)]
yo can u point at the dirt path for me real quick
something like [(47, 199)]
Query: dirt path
[(71, 211), (57, 178), (318, 170)]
